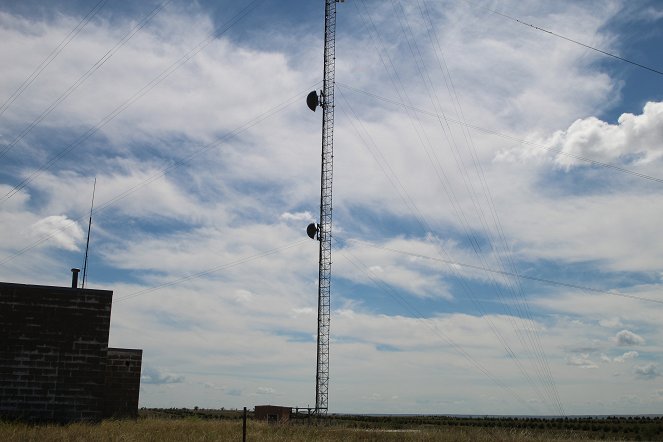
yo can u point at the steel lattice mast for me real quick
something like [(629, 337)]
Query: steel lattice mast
[(324, 233), (324, 228)]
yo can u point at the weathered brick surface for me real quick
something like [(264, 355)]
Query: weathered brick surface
[(53, 349), (123, 368)]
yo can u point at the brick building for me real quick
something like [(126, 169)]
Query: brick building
[(122, 382), (55, 364), (272, 413)]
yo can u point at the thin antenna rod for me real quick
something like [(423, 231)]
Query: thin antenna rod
[(89, 227)]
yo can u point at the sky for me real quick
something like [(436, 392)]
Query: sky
[(497, 196)]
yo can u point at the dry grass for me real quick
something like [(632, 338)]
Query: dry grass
[(188, 429)]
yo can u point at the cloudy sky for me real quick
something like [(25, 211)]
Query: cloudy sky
[(497, 196)]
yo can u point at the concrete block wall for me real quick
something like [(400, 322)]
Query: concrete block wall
[(123, 368), (53, 350), (272, 414)]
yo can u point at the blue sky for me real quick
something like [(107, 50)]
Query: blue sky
[(467, 151)]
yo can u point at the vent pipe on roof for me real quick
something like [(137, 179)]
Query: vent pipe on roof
[(74, 278)]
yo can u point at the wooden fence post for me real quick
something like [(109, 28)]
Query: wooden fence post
[(244, 426)]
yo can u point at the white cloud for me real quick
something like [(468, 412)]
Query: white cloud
[(297, 216), (581, 360), (64, 232), (647, 371), (244, 296), (634, 139), (626, 356), (626, 338), (152, 375)]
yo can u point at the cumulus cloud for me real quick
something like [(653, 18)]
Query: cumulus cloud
[(244, 296), (63, 231), (154, 376), (626, 337), (297, 216), (634, 139), (647, 371), (581, 360), (626, 356)]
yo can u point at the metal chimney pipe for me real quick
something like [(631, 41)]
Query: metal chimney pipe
[(74, 278)]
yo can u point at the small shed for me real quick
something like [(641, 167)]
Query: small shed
[(273, 414)]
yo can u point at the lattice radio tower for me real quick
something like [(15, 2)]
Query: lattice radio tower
[(323, 230)]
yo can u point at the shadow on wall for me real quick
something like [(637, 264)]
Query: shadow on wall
[(55, 364)]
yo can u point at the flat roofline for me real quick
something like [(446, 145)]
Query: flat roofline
[(275, 406), (126, 350), (51, 287)]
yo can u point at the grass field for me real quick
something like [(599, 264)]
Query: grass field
[(203, 425)]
